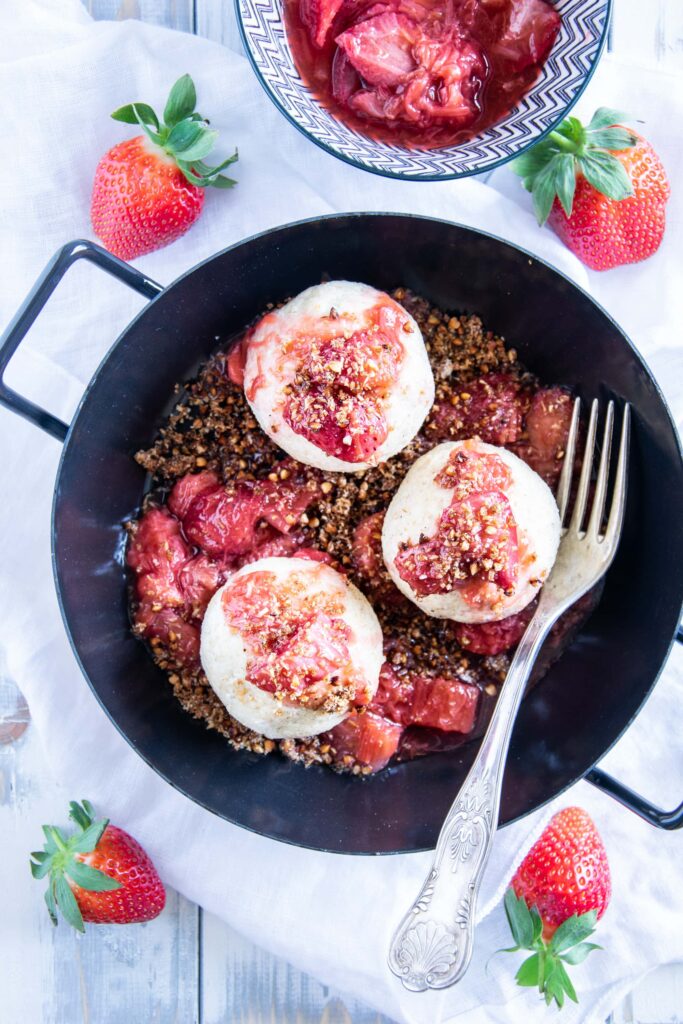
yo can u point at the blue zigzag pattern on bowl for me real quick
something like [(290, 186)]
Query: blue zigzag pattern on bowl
[(571, 60)]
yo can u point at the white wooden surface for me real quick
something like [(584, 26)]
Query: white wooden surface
[(187, 967)]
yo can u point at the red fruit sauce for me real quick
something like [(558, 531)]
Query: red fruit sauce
[(420, 73), (297, 643), (475, 542), (338, 394)]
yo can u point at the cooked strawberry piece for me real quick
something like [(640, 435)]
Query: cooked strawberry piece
[(313, 555), (491, 408), (462, 553), (234, 520), (366, 554), (318, 16), (281, 546), (284, 501), (368, 103), (199, 579), (547, 427), (234, 365), (493, 637), (449, 84), (303, 658), (296, 648), (380, 48), (345, 78), (432, 701), (367, 739), (443, 703), (530, 31), (356, 440), (415, 76), (156, 554), (338, 390), (223, 522), (167, 627), (157, 543), (394, 695), (188, 488), (473, 472)]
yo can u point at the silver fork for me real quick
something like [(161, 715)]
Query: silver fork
[(432, 947)]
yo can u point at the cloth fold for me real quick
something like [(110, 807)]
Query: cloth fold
[(330, 915)]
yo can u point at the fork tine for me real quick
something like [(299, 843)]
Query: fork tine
[(586, 467), (616, 512), (595, 521), (564, 486)]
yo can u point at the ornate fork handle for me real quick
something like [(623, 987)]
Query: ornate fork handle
[(432, 946)]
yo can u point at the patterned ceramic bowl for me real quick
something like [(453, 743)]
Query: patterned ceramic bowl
[(566, 73)]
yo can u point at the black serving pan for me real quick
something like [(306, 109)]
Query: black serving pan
[(588, 698)]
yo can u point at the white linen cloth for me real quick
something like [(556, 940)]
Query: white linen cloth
[(60, 76)]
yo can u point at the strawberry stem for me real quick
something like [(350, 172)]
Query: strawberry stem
[(564, 144)]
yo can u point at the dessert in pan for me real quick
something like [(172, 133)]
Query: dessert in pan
[(351, 516), (420, 73)]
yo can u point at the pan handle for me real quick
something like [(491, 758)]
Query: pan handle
[(643, 808), (81, 249)]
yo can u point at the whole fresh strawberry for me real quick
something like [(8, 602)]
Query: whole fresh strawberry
[(150, 189), (556, 896), (99, 874), (602, 188)]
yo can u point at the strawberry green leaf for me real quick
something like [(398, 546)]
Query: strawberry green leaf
[(554, 991), (529, 974), (519, 919), (544, 190), (181, 101), (50, 844), (66, 901), (613, 138), (222, 182), (50, 902), (144, 111), (208, 171), (578, 954), (154, 136), (40, 866), (88, 808), (551, 984), (90, 878), (606, 174), (565, 981), (198, 149), (565, 181), (530, 163), (605, 117), (88, 840), (79, 815), (572, 931), (183, 135), (537, 924)]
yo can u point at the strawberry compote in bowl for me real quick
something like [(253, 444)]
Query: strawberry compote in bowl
[(424, 89)]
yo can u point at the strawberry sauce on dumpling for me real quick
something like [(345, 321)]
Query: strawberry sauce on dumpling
[(472, 533), (338, 377), (291, 647)]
